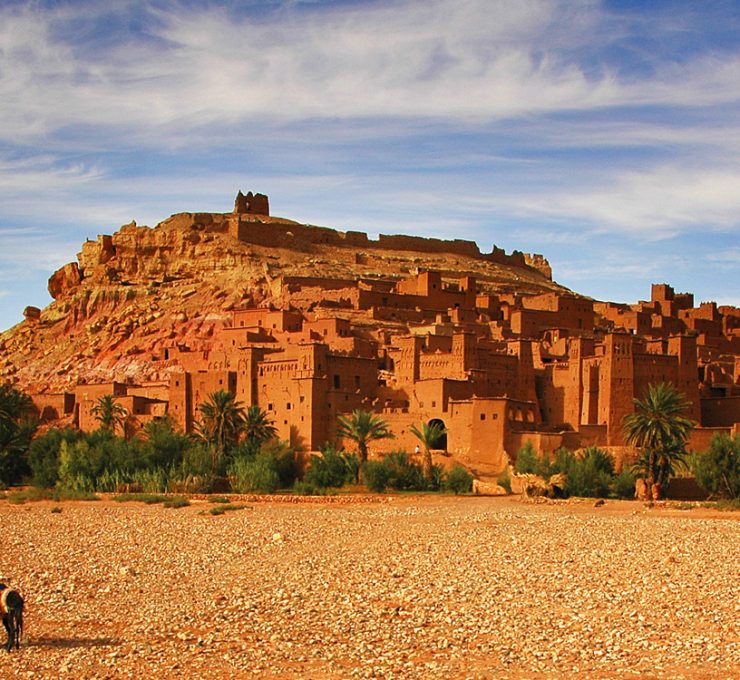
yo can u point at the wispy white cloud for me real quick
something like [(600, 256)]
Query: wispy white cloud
[(450, 59)]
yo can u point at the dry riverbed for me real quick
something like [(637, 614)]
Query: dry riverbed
[(407, 588)]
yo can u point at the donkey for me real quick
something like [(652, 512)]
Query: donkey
[(11, 608)]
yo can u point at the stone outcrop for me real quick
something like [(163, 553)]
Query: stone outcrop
[(64, 280)]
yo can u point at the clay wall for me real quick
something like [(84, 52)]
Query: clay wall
[(398, 315), (653, 369), (590, 382), (683, 347), (701, 437), (49, 407), (477, 433), (616, 384), (87, 396), (272, 320), (720, 412)]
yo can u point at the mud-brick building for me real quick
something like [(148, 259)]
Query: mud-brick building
[(496, 370)]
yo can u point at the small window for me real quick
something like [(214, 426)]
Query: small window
[(269, 407), (494, 416), (302, 399), (434, 404), (337, 381), (482, 416), (357, 381), (289, 406)]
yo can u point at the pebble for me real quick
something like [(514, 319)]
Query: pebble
[(432, 587)]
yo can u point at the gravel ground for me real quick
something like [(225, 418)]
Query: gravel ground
[(410, 588)]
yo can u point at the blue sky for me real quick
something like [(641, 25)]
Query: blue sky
[(604, 135)]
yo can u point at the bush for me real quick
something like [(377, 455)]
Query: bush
[(176, 502), (438, 478), (459, 480), (259, 475), (504, 480), (529, 463), (223, 509), (43, 455), (331, 469), (589, 474), (623, 485), (196, 461), (403, 474), (376, 475), (164, 446), (718, 470)]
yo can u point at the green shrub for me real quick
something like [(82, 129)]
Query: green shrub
[(331, 469), (283, 455), (56, 510), (164, 447), (74, 495), (623, 485), (30, 495), (223, 509), (403, 474), (219, 499), (376, 475), (196, 461), (589, 474), (259, 475), (459, 480), (176, 502), (437, 478), (43, 455), (148, 498), (529, 463), (718, 470), (526, 460), (504, 480)]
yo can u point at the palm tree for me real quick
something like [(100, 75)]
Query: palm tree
[(362, 427), (428, 435), (109, 413), (16, 431), (257, 426), (222, 420), (659, 428)]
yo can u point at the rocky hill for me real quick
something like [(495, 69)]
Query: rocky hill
[(141, 289)]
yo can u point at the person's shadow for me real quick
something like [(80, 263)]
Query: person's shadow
[(71, 643)]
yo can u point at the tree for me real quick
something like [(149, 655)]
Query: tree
[(718, 470), (109, 413), (257, 426), (16, 432), (428, 435), (222, 420), (362, 427), (659, 428)]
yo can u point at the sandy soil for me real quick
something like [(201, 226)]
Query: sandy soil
[(422, 587)]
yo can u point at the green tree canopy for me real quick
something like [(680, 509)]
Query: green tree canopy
[(16, 431), (429, 434), (363, 427), (222, 421), (659, 428), (109, 413), (257, 425)]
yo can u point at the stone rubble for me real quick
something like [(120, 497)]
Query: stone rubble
[(414, 587)]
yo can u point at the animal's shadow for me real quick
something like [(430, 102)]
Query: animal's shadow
[(72, 643)]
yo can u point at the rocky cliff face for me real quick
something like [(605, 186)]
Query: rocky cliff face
[(131, 294)]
